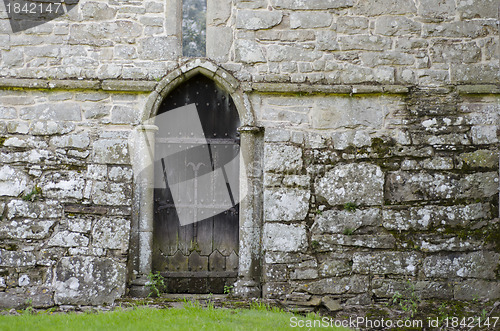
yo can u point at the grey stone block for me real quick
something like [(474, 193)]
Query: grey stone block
[(111, 151), (337, 221), (286, 204), (248, 51), (284, 237), (318, 4), (396, 263), (396, 26), (86, 280), (310, 20), (256, 20), (112, 233), (78, 140), (26, 229), (52, 112), (282, 158), (480, 264), (403, 186), (352, 183), (68, 239), (12, 181), (339, 285)]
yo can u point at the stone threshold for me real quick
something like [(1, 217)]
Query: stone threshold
[(144, 86)]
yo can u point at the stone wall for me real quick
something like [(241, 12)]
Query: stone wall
[(403, 188), (380, 157), (65, 195)]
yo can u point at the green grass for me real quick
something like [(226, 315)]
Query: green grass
[(191, 317)]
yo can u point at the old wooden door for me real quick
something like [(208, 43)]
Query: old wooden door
[(193, 179)]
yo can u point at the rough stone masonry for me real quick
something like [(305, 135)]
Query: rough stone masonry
[(374, 125)]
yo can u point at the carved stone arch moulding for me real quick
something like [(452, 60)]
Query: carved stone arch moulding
[(250, 216)]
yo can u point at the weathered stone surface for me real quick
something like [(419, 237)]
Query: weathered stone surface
[(124, 115), (381, 7), (329, 242), (475, 265), (80, 140), (273, 257), (12, 181), (218, 12), (276, 273), (16, 258), (25, 142), (286, 204), (219, 42), (396, 26), (305, 270), (42, 297), (282, 158), (113, 194), (334, 267), (45, 128), (88, 280), (119, 174), (425, 217), (340, 285), (51, 112), (405, 186), (308, 20), (68, 239), (8, 112), (385, 288), (475, 73), (480, 159), (433, 9), (97, 11), (279, 53), (352, 112), (448, 52), (256, 20), (359, 183), (112, 233), (344, 139), (10, 300), (473, 289), (331, 304), (25, 229), (438, 243), (364, 42), (317, 4), (337, 221), (82, 225), (352, 24), (396, 263), (484, 135), (477, 9), (283, 237), (62, 185), (111, 151), (438, 163), (248, 51)]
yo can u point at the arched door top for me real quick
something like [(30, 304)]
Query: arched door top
[(208, 69)]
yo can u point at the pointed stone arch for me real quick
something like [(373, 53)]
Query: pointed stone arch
[(251, 210)]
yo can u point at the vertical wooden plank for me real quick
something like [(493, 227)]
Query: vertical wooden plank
[(226, 230), (204, 236), (197, 262), (216, 261), (178, 262)]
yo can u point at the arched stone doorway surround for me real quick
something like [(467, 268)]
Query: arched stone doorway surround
[(251, 210)]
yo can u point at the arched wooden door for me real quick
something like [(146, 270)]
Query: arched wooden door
[(197, 177)]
